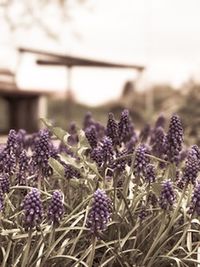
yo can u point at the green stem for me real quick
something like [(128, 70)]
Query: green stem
[(25, 259), (92, 253)]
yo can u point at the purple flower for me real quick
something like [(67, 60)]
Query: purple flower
[(32, 207), (160, 122), (42, 152), (112, 129), (88, 120), (12, 144), (126, 128), (195, 203), (145, 132), (99, 214), (91, 136), (97, 155), (70, 171), (190, 171), (141, 160), (107, 149), (143, 213), (56, 208), (150, 175), (174, 139), (167, 197), (5, 183), (159, 144)]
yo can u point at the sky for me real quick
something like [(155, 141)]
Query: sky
[(163, 35)]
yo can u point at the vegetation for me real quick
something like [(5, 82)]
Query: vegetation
[(103, 195)]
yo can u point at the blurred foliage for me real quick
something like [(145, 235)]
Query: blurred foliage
[(39, 13), (144, 107)]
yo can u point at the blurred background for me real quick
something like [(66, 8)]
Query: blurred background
[(61, 58)]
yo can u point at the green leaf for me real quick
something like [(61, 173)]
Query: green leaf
[(57, 167)]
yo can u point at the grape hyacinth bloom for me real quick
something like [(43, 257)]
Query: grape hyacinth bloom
[(32, 207), (160, 122), (167, 197), (190, 171), (97, 155), (126, 128), (5, 183), (56, 208), (195, 203), (150, 175), (143, 213), (41, 153), (107, 149), (141, 160), (12, 145), (145, 132), (70, 171), (159, 144), (112, 129), (91, 136), (100, 212), (174, 139)]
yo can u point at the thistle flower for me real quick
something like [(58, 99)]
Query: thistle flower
[(91, 136), (174, 139), (167, 197), (5, 183), (32, 207), (141, 160), (56, 208), (126, 128), (150, 175), (112, 129), (99, 215)]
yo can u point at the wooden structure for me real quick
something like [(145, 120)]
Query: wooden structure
[(53, 59), (23, 105)]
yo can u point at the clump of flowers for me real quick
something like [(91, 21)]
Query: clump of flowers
[(32, 208), (99, 215), (56, 208)]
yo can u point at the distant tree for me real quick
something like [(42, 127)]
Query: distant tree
[(48, 15)]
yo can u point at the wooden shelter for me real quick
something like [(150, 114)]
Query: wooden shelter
[(23, 105)]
